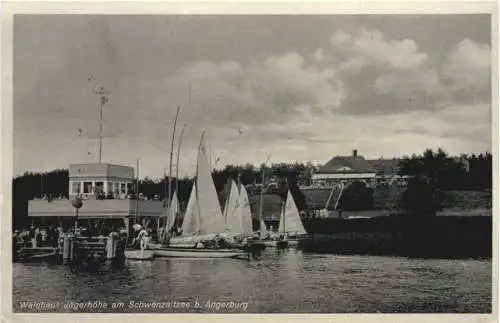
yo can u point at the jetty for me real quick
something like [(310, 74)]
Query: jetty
[(95, 222)]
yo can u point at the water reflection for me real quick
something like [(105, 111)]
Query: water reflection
[(281, 281)]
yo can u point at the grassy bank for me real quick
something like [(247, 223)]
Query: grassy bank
[(428, 237)]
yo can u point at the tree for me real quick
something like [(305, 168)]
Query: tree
[(356, 196), (420, 197)]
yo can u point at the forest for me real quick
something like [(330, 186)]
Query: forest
[(432, 172)]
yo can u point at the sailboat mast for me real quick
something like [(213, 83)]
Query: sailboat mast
[(137, 193), (178, 157), (171, 157), (197, 188), (283, 208), (261, 205)]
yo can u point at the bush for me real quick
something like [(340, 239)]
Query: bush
[(356, 196), (420, 197)]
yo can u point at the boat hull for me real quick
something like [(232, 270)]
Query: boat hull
[(280, 243), (139, 254), (176, 252)]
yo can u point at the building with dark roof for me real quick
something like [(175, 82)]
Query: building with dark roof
[(356, 168)]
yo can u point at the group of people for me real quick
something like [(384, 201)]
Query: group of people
[(53, 236), (142, 237), (37, 236)]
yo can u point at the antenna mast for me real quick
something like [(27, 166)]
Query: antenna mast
[(103, 99)]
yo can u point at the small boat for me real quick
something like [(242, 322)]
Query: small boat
[(198, 252), (290, 228), (203, 219), (139, 254), (39, 253)]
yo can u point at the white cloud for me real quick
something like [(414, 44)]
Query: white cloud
[(369, 47), (468, 66), (269, 91), (363, 90)]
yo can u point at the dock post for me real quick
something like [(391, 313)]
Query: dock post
[(66, 249), (110, 247), (72, 248)]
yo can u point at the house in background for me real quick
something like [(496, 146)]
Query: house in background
[(347, 169), (388, 171)]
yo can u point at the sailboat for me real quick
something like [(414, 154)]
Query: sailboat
[(290, 227), (203, 220), (245, 212), (232, 214), (172, 212), (238, 220)]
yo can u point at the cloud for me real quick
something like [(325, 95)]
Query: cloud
[(468, 65), (260, 92), (369, 47), (380, 75), (466, 71), (304, 100)]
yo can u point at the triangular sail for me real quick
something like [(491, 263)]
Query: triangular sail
[(172, 212), (210, 214), (290, 220), (190, 224), (245, 211), (263, 229), (232, 210)]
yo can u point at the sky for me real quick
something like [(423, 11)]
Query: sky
[(295, 88)]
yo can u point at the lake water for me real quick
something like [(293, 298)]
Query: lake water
[(280, 282)]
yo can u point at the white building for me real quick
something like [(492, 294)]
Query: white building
[(91, 178), (356, 168)]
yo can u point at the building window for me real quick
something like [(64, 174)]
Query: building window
[(122, 188), (116, 188), (76, 188), (87, 187)]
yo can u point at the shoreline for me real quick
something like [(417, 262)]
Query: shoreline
[(441, 237)]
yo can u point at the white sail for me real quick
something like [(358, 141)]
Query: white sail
[(210, 214), (263, 229), (290, 219), (245, 212), (172, 212), (232, 210), (190, 224)]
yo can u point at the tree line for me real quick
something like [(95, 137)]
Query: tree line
[(432, 171), (465, 172)]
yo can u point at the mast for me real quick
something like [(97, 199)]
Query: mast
[(178, 157), (171, 157), (137, 193), (283, 209), (197, 187), (261, 206), (103, 99), (284, 205)]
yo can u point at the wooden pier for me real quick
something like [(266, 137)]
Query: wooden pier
[(73, 249)]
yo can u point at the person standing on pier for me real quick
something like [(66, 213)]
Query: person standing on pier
[(143, 239)]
